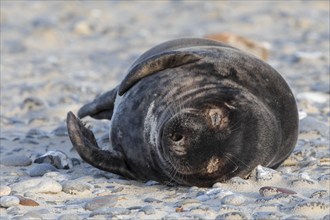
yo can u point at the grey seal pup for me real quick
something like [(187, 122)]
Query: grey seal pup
[(192, 112)]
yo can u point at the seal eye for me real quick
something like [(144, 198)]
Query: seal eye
[(177, 137)]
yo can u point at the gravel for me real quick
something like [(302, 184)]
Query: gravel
[(57, 56)]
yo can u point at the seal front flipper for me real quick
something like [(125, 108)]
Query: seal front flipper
[(84, 142), (101, 107)]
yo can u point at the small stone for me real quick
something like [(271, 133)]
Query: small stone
[(230, 208), (56, 158), (311, 208), (100, 202), (68, 217), (319, 194), (203, 198), (151, 200), (15, 160), (302, 56), (110, 211), (14, 210), (263, 174), (4, 190), (32, 103), (14, 46), (148, 210), (26, 202), (272, 190), (326, 217), (179, 209), (59, 177), (75, 187), (213, 192), (37, 185), (232, 215), (151, 183), (40, 169), (266, 215), (310, 123), (33, 215), (189, 201), (82, 28), (8, 201), (316, 97), (233, 199), (36, 133), (60, 131), (297, 217), (134, 207)]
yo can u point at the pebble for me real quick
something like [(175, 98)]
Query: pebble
[(37, 185), (189, 201), (319, 194), (148, 210), (272, 190), (4, 190), (266, 215), (59, 177), (14, 46), (14, 210), (32, 103), (76, 187), (100, 202), (229, 208), (110, 211), (40, 169), (26, 202), (233, 199), (297, 217), (8, 201), (36, 133), (34, 214), (151, 200), (68, 217), (56, 158), (83, 28), (303, 56), (312, 209), (15, 160), (310, 123), (265, 175), (316, 97), (232, 215), (60, 131)]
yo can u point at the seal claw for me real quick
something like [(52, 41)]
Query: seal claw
[(85, 143)]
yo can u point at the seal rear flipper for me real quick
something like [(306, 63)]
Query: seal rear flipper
[(101, 107), (85, 143)]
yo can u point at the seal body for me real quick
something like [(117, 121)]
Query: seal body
[(193, 112)]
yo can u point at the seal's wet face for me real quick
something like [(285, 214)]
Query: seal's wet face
[(195, 139)]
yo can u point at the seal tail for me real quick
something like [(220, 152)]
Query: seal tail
[(85, 143)]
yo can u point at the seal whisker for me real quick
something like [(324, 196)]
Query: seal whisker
[(239, 160)]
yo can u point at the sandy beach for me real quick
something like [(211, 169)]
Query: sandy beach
[(58, 55)]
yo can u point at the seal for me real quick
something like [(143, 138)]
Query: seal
[(192, 112)]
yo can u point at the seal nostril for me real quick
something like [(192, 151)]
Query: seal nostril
[(176, 137)]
